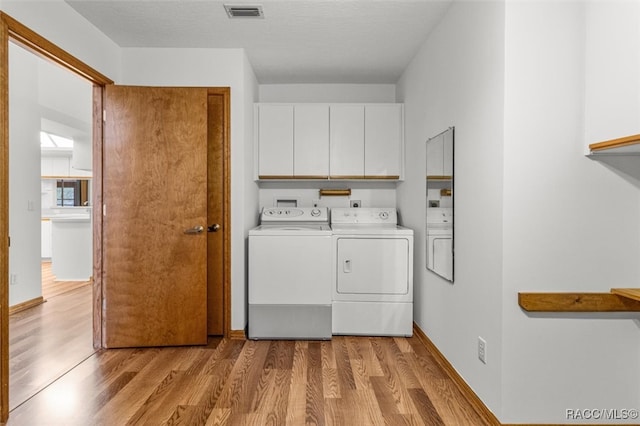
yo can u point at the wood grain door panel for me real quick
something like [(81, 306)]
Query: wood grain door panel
[(215, 211), (155, 187)]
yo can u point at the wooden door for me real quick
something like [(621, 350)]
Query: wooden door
[(218, 122), (155, 201)]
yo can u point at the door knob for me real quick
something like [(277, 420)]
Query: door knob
[(213, 228), (195, 230)]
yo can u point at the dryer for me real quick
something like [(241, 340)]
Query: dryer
[(372, 275), (440, 241)]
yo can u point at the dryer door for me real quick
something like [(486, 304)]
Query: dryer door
[(375, 266), (440, 255)]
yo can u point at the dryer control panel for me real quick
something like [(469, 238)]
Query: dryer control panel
[(364, 216)]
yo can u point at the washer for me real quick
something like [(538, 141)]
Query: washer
[(290, 258), (372, 273)]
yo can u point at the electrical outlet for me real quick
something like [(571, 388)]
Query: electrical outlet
[(482, 349), (13, 279), (356, 203)]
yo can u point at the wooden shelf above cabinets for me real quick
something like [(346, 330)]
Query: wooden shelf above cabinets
[(629, 145), (618, 300)]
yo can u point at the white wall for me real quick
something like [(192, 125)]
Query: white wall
[(24, 177), (213, 68), (570, 224), (34, 97), (532, 212), (250, 188), (59, 23), (456, 79), (327, 93)]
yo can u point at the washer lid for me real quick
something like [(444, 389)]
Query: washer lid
[(292, 229)]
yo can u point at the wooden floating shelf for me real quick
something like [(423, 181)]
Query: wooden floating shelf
[(626, 145), (618, 300)]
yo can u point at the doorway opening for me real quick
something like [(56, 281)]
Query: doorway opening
[(50, 258)]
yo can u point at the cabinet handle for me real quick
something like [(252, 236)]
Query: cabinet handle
[(346, 268)]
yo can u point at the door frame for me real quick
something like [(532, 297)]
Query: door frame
[(12, 30)]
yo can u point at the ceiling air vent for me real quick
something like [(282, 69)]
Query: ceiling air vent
[(243, 11)]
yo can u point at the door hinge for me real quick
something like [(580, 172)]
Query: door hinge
[(9, 241), (104, 115)]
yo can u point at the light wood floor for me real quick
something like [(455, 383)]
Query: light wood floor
[(345, 381), (48, 340), (353, 381), (52, 288)]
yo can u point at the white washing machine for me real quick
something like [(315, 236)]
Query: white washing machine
[(440, 241), (372, 273), (290, 263)]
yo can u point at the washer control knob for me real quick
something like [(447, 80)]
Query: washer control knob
[(315, 212), (384, 215)]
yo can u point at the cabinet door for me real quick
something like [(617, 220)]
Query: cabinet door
[(347, 141), (46, 166), (383, 141), (311, 141), (275, 141), (60, 166), (435, 153), (79, 173), (447, 154)]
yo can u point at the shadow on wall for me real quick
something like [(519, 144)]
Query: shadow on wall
[(624, 166)]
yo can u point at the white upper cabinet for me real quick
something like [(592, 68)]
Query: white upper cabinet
[(347, 141), (311, 141), (54, 166), (275, 141), (435, 157), (383, 141), (329, 141)]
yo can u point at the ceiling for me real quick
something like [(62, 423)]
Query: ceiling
[(298, 41)]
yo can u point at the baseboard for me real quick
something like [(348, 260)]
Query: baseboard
[(26, 305), (237, 335), (469, 394)]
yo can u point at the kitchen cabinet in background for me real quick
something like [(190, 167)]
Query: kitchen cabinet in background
[(60, 166)]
